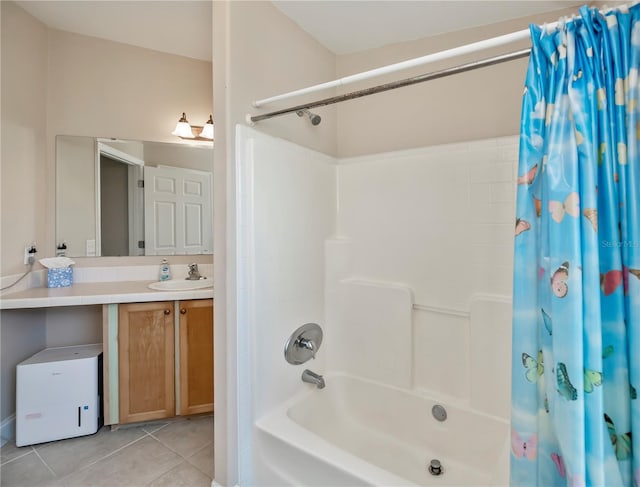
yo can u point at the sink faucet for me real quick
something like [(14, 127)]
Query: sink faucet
[(194, 273), (313, 378)]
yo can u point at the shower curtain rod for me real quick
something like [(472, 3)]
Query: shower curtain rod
[(409, 63), (393, 85)]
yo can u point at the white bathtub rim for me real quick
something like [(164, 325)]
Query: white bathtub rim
[(421, 393), (279, 425)]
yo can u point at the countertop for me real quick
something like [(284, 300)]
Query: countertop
[(87, 293)]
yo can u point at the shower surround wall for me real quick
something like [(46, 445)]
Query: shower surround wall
[(403, 258), (287, 209)]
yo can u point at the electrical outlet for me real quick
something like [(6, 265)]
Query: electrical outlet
[(29, 253)]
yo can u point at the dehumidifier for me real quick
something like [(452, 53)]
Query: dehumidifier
[(59, 394)]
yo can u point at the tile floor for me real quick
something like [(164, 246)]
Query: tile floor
[(172, 454)]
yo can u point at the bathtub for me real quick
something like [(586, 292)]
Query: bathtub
[(356, 432)]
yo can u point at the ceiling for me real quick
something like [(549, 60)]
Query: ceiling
[(347, 26), (183, 27)]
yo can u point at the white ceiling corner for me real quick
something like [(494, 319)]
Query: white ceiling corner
[(181, 27)]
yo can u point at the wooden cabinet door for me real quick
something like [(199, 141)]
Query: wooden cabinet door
[(146, 366), (196, 356)]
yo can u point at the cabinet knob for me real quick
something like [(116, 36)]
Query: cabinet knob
[(183, 311), (167, 311)]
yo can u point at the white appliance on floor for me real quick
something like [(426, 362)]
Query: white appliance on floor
[(59, 394)]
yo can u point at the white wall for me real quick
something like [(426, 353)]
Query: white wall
[(256, 51), (288, 211), (403, 258), (425, 269)]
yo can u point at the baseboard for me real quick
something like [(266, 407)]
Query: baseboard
[(8, 429), (216, 484)]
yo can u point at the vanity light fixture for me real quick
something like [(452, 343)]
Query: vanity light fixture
[(207, 130), (194, 132), (183, 129)]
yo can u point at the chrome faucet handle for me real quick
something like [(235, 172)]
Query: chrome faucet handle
[(307, 344)]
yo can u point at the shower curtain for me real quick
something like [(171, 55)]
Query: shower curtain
[(576, 302)]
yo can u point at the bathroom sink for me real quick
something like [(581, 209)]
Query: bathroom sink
[(181, 285)]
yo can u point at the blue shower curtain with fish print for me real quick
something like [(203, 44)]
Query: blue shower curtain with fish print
[(576, 299)]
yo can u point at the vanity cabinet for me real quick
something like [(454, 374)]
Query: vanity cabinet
[(146, 361), (196, 356), (165, 359)]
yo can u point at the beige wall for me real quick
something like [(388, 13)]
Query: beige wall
[(59, 83), (479, 104), (24, 49), (23, 122), (75, 205)]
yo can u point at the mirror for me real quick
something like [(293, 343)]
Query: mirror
[(125, 197)]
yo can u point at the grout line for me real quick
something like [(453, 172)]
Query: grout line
[(150, 432), (167, 446), (107, 455), (19, 456), (45, 463), (195, 453)]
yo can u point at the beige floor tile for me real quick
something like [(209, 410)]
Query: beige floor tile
[(26, 471), (188, 435), (184, 475), (65, 456), (10, 451), (153, 427), (134, 466), (203, 460)]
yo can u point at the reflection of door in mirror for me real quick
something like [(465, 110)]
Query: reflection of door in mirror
[(177, 211)]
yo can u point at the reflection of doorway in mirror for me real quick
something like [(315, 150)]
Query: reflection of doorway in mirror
[(114, 204), (119, 229)]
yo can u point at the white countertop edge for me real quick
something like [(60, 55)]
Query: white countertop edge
[(96, 293)]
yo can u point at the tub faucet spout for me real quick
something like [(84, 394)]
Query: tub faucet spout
[(313, 378)]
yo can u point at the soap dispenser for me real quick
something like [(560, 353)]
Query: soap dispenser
[(165, 270)]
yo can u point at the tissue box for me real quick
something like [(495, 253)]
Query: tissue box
[(60, 277)]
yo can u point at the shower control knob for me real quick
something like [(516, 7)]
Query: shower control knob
[(303, 344)]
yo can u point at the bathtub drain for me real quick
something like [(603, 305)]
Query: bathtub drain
[(439, 412), (435, 467)]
